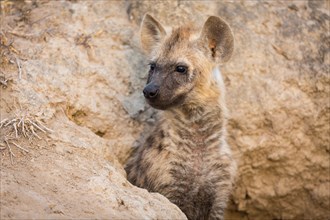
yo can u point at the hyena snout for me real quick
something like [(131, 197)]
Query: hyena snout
[(151, 91)]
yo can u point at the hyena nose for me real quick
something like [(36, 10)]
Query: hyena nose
[(151, 91)]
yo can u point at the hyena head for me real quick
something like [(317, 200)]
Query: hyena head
[(181, 62)]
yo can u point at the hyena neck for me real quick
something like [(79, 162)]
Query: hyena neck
[(205, 111), (207, 99)]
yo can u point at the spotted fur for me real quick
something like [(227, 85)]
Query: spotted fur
[(186, 157)]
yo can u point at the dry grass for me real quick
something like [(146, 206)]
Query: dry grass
[(20, 126)]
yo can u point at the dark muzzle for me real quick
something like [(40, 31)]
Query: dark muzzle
[(151, 91)]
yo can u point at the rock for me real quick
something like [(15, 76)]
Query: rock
[(134, 104), (80, 183)]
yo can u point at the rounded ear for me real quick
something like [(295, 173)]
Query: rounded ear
[(217, 39), (152, 32)]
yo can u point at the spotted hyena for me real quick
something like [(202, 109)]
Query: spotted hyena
[(186, 158)]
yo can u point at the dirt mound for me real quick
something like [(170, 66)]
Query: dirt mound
[(72, 72)]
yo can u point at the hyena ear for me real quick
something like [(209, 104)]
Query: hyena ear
[(217, 39), (152, 32)]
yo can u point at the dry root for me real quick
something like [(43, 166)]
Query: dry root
[(4, 81), (24, 126)]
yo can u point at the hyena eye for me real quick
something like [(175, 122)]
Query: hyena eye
[(181, 69), (152, 66)]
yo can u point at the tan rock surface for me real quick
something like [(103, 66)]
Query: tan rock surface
[(81, 75)]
